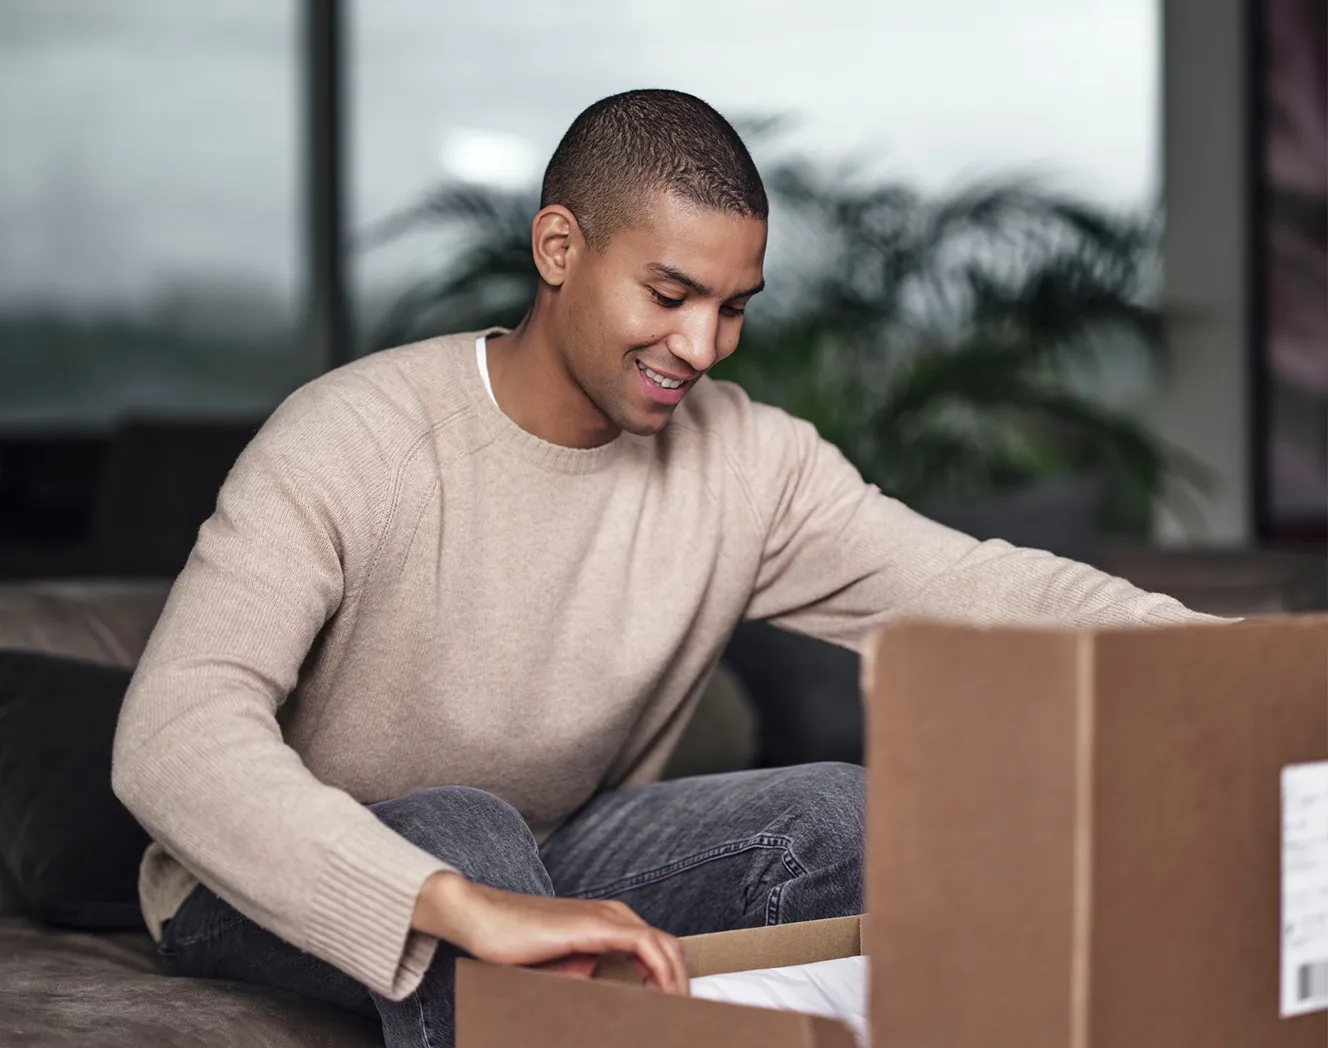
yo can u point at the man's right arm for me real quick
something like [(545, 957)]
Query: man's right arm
[(199, 757), (200, 760)]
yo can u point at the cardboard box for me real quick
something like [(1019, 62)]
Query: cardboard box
[(1075, 839), (1073, 842), (514, 1007)]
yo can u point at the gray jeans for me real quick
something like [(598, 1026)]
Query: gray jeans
[(690, 856)]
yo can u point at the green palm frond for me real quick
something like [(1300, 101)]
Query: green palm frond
[(490, 281), (1031, 426), (938, 340), (494, 214)]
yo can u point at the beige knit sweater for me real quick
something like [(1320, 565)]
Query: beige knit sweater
[(400, 588)]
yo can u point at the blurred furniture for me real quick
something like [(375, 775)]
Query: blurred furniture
[(777, 699), (1059, 514), (127, 506), (1228, 582), (804, 695), (62, 989), (159, 484)]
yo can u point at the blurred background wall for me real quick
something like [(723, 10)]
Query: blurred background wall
[(1206, 408), (1024, 266)]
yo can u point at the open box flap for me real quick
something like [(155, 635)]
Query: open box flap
[(747, 949), (970, 819), (503, 1007)]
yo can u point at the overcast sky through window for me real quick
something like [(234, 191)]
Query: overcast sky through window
[(151, 143)]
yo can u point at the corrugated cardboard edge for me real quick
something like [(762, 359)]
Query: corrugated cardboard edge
[(504, 1007), (773, 946), (1081, 957)]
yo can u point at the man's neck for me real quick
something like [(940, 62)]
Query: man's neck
[(535, 390)]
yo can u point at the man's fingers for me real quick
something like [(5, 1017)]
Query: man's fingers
[(675, 952), (671, 950), (666, 964), (511, 928), (661, 969), (644, 944), (579, 965), (666, 947)]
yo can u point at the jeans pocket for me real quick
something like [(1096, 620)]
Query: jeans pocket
[(762, 842)]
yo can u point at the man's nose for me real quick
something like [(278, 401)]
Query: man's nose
[(695, 342)]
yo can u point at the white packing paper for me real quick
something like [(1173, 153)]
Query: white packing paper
[(836, 989)]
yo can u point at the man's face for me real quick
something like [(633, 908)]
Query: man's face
[(656, 307)]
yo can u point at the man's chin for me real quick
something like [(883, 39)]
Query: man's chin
[(646, 426)]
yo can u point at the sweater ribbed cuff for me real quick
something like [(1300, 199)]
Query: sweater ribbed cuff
[(1176, 614), (362, 907)]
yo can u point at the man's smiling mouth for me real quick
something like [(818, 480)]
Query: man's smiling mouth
[(661, 380)]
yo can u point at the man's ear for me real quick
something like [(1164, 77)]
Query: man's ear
[(555, 239)]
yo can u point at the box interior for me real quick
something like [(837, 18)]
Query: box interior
[(495, 1004)]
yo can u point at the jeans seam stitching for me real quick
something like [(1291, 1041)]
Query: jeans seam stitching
[(791, 860), (720, 851), (424, 1025), (211, 933)]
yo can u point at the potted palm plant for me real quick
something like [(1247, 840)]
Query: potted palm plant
[(948, 345)]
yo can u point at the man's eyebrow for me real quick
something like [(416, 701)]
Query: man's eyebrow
[(678, 276), (675, 274)]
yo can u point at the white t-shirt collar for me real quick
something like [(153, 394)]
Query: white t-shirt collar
[(482, 359)]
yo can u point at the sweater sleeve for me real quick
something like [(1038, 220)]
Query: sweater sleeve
[(840, 558), (199, 757)]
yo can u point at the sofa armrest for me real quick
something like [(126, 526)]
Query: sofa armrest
[(102, 620)]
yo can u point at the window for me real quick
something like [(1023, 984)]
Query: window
[(461, 106), (149, 266), (148, 198), (154, 197), (930, 93)]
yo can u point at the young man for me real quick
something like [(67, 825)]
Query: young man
[(411, 694)]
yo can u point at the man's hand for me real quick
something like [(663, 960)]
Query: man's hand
[(561, 934)]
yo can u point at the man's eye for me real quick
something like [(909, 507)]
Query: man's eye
[(665, 301), (732, 311)]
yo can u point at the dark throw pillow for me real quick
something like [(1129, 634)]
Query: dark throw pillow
[(69, 849)]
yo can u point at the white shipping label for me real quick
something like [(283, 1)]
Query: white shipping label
[(1304, 888)]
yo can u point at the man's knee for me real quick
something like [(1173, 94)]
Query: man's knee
[(475, 832), (827, 799), (818, 808)]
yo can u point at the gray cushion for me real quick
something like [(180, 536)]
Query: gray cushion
[(69, 849), (75, 990)]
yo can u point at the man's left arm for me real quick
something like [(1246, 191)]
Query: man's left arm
[(841, 558)]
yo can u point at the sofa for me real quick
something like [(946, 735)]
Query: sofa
[(775, 699), (62, 987)]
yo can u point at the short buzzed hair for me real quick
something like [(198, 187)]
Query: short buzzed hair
[(625, 147)]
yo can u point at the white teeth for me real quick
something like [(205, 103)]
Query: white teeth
[(660, 380)]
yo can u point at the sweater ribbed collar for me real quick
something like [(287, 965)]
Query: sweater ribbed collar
[(507, 434)]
